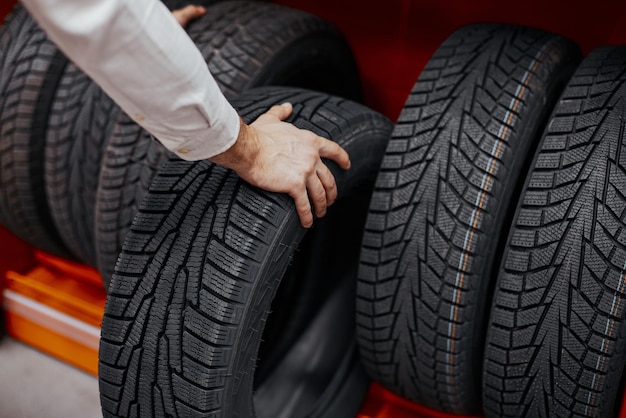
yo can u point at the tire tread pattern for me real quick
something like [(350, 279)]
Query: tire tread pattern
[(30, 69), (198, 270), (440, 202), (557, 331), (81, 118), (241, 41)]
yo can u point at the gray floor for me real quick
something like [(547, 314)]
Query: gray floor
[(33, 384)]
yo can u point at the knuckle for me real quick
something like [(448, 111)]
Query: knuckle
[(303, 208), (319, 195), (298, 184)]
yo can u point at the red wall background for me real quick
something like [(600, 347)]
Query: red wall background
[(393, 39)]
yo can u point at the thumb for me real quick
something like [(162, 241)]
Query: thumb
[(282, 111), (188, 13)]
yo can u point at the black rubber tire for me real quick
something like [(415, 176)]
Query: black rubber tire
[(30, 69), (556, 344), (80, 122), (444, 194), (246, 44), (201, 267)]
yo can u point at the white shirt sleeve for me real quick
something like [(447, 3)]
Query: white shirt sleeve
[(145, 61)]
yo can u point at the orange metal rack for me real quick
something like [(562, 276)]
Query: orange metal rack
[(57, 307)]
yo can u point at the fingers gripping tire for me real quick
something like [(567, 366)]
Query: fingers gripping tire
[(31, 67), (556, 344), (245, 44), (198, 277), (442, 197)]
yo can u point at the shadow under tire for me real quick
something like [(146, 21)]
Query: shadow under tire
[(198, 285), (443, 197), (557, 329)]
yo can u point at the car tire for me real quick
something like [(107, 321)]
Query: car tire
[(199, 273), (556, 344), (31, 66), (443, 197), (246, 44)]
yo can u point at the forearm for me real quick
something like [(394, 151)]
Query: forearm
[(137, 52), (141, 57)]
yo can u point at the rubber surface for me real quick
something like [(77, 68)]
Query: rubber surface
[(321, 374), (80, 122), (30, 68), (245, 44), (443, 197), (199, 272), (557, 330)]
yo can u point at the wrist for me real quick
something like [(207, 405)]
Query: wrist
[(242, 153)]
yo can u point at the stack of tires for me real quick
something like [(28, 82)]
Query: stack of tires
[(76, 170), (491, 277), (74, 167), (473, 262)]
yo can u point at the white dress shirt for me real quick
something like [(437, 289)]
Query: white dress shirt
[(145, 61)]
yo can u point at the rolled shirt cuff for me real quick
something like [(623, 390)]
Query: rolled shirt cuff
[(208, 142)]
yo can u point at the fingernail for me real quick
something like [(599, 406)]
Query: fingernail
[(286, 104)]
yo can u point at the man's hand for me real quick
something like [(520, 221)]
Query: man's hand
[(188, 13), (278, 157)]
